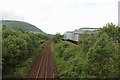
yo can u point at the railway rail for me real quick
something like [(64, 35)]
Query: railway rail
[(42, 67)]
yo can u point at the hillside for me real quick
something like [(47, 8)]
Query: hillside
[(20, 25)]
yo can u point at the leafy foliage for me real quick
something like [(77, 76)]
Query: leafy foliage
[(57, 37), (97, 56), (86, 41), (19, 50), (103, 58), (67, 59)]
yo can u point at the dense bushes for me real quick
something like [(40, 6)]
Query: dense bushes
[(57, 37), (67, 58), (97, 56), (86, 41), (103, 58), (18, 51)]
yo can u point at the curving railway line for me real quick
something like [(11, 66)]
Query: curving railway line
[(42, 67)]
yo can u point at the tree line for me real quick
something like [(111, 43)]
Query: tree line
[(19, 49)]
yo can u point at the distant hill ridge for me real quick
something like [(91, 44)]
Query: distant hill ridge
[(20, 25)]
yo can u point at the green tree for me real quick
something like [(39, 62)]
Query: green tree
[(57, 37), (86, 41), (19, 49), (112, 31), (103, 58)]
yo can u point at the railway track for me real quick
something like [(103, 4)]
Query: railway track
[(42, 67)]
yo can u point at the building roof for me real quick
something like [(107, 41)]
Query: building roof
[(82, 30), (89, 28)]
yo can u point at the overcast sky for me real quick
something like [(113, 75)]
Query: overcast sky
[(54, 16)]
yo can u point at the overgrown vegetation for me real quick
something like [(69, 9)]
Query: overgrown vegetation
[(57, 37), (19, 49), (96, 56), (67, 59)]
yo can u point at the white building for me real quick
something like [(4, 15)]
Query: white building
[(119, 13), (71, 35), (74, 35)]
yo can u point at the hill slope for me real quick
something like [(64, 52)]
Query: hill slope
[(20, 25)]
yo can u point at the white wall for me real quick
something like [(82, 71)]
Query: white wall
[(71, 36)]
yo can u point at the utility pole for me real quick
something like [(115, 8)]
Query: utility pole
[(119, 13)]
